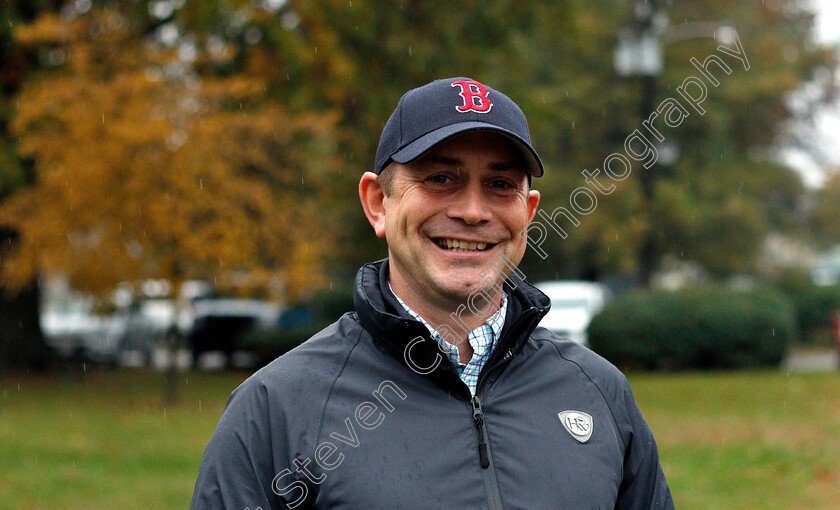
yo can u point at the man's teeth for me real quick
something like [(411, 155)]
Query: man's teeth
[(455, 245)]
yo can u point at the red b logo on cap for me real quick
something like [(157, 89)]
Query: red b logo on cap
[(475, 97)]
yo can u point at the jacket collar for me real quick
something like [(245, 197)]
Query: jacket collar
[(393, 328)]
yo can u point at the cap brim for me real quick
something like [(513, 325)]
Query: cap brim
[(422, 145)]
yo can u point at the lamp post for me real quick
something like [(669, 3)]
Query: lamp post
[(639, 53)]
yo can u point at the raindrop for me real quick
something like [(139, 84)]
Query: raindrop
[(410, 52), (199, 405), (200, 183), (573, 124)]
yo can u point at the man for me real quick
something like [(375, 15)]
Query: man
[(439, 391)]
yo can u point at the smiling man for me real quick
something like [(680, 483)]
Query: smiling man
[(439, 391)]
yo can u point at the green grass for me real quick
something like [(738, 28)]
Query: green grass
[(761, 440), (103, 439)]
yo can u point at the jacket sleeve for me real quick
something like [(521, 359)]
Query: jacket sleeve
[(643, 485), (237, 471)]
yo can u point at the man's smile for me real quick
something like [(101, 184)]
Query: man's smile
[(462, 245)]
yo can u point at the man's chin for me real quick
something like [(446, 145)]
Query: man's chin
[(459, 290)]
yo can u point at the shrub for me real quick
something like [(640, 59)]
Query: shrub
[(697, 328), (814, 306)]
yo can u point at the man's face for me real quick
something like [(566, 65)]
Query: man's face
[(469, 191)]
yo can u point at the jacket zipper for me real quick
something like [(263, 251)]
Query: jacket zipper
[(478, 418), (488, 472)]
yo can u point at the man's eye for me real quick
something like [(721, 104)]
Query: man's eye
[(440, 179), (502, 184)]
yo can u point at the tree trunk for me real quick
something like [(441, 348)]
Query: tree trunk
[(22, 345)]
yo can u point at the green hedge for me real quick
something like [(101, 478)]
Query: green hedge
[(814, 306), (697, 328)]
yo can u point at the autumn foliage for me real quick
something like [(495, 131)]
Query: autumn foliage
[(150, 163)]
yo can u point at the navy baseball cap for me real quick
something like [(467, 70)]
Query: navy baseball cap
[(430, 114)]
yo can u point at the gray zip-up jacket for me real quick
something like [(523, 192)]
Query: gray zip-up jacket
[(368, 414)]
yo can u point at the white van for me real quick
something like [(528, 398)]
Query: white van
[(573, 304)]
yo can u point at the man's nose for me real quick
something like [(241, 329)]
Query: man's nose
[(471, 205)]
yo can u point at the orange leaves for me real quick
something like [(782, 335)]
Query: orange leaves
[(149, 167)]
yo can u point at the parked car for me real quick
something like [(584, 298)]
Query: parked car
[(219, 324), (573, 304), (147, 325), (75, 332)]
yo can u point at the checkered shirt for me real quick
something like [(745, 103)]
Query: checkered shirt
[(482, 339)]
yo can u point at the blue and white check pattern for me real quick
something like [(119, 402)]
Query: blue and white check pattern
[(482, 339)]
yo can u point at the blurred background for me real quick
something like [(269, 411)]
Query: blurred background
[(178, 206)]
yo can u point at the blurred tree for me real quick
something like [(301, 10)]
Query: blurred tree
[(718, 200), (725, 191), (826, 214), (21, 341), (156, 158), (181, 139)]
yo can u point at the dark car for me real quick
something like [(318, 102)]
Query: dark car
[(217, 325)]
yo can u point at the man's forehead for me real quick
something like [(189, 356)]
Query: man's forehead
[(494, 149)]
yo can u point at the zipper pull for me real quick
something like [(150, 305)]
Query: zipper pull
[(478, 418)]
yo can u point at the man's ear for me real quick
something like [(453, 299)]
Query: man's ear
[(373, 199), (533, 202)]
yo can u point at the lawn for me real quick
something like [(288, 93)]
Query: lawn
[(104, 439)]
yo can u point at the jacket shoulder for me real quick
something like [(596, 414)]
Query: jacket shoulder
[(610, 381), (313, 364), (598, 369)]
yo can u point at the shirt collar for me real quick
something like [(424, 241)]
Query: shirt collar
[(495, 321)]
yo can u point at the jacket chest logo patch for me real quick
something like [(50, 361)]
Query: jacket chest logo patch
[(577, 423)]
